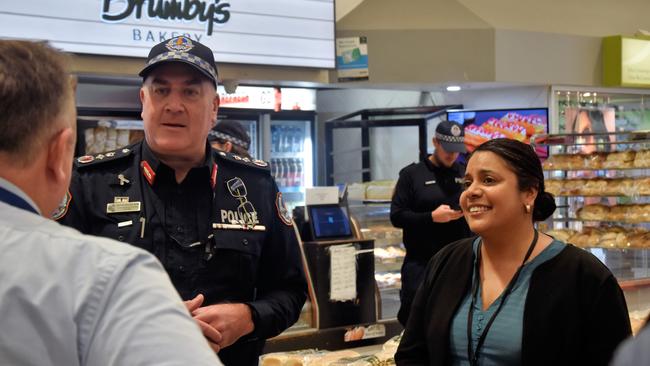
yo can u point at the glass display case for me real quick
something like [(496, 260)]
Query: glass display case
[(601, 182), (373, 221)]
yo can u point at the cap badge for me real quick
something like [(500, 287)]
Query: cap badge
[(455, 130), (180, 44)]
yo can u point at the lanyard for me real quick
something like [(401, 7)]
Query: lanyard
[(15, 200), (472, 354)]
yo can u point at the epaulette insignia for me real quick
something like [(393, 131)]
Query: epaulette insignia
[(88, 160), (256, 163)]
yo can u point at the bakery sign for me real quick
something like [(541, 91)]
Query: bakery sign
[(279, 32)]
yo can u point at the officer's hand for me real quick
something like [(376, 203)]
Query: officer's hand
[(211, 335), (231, 320), (209, 332), (195, 303), (444, 213)]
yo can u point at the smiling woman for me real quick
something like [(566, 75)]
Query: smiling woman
[(512, 295)]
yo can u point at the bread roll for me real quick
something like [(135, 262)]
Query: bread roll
[(554, 186), (561, 234), (593, 212), (643, 186), (642, 159), (594, 187), (595, 160), (619, 159), (618, 213), (573, 186)]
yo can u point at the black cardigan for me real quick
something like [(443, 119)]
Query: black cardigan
[(575, 312)]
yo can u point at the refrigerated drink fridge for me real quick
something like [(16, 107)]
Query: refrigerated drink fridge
[(284, 140), (291, 158)]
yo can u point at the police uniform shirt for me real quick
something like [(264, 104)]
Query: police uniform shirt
[(420, 189), (223, 232), (182, 210)]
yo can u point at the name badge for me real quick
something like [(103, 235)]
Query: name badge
[(429, 182), (125, 223), (223, 226), (122, 204)]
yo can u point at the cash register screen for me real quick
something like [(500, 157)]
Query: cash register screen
[(329, 221)]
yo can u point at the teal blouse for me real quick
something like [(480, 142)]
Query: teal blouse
[(502, 344)]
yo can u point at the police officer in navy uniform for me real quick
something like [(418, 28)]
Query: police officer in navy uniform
[(214, 219)]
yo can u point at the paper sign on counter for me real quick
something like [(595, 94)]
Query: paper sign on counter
[(343, 272)]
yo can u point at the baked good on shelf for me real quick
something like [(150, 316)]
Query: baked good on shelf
[(573, 186), (637, 213), (593, 212), (561, 234), (614, 239), (642, 159), (619, 159), (554, 186), (585, 239), (380, 190), (594, 160), (593, 187), (622, 186), (551, 162), (640, 240), (618, 213), (643, 186)]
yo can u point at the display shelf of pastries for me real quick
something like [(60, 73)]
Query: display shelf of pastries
[(604, 237), (602, 181), (631, 213), (373, 355), (637, 186), (629, 159), (388, 280)]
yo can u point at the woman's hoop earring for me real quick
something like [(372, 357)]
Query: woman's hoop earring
[(527, 209)]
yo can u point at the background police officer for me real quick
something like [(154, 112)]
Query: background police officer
[(425, 205), (230, 136), (214, 219)]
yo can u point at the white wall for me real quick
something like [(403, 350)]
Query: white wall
[(389, 150)]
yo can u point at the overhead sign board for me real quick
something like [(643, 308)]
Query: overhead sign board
[(626, 61), (279, 32)]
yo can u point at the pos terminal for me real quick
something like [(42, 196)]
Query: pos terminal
[(342, 266)]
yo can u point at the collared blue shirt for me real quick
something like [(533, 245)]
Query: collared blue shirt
[(73, 299), (503, 341), (7, 185)]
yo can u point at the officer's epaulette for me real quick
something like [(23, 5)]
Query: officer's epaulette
[(92, 160), (255, 163)]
